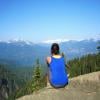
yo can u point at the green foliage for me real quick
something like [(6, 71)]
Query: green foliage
[(37, 82), (26, 89), (85, 64), (13, 82), (17, 79), (32, 79), (98, 47)]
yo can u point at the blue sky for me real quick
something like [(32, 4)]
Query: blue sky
[(40, 20)]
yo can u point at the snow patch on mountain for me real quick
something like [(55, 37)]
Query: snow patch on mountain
[(56, 40)]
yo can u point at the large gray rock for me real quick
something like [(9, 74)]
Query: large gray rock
[(85, 87)]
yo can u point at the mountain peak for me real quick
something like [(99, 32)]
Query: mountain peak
[(55, 40), (67, 40), (24, 52), (18, 41)]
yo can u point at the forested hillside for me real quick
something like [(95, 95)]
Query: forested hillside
[(86, 64), (78, 66), (25, 80), (11, 80)]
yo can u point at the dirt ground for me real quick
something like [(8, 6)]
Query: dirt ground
[(84, 87)]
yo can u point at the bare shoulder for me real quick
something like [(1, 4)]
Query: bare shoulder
[(48, 59)]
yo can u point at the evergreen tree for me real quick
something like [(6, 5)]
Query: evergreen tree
[(65, 60), (98, 47), (86, 64), (36, 81)]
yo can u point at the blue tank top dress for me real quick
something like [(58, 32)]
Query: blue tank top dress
[(57, 72)]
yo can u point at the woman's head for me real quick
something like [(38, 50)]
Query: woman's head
[(55, 49)]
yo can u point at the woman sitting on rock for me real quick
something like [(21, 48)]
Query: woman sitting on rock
[(57, 74)]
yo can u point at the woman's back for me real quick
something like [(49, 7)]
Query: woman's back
[(57, 73)]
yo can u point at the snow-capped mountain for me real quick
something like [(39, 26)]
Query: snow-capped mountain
[(56, 40), (18, 42), (25, 53)]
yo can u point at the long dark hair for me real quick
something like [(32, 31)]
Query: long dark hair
[(55, 49)]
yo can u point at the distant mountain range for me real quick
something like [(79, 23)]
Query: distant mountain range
[(25, 53)]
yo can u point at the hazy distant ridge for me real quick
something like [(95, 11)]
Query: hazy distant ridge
[(26, 52)]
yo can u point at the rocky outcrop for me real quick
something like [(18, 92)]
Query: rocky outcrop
[(4, 90), (84, 87), (7, 87)]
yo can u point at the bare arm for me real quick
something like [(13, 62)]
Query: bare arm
[(48, 60)]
